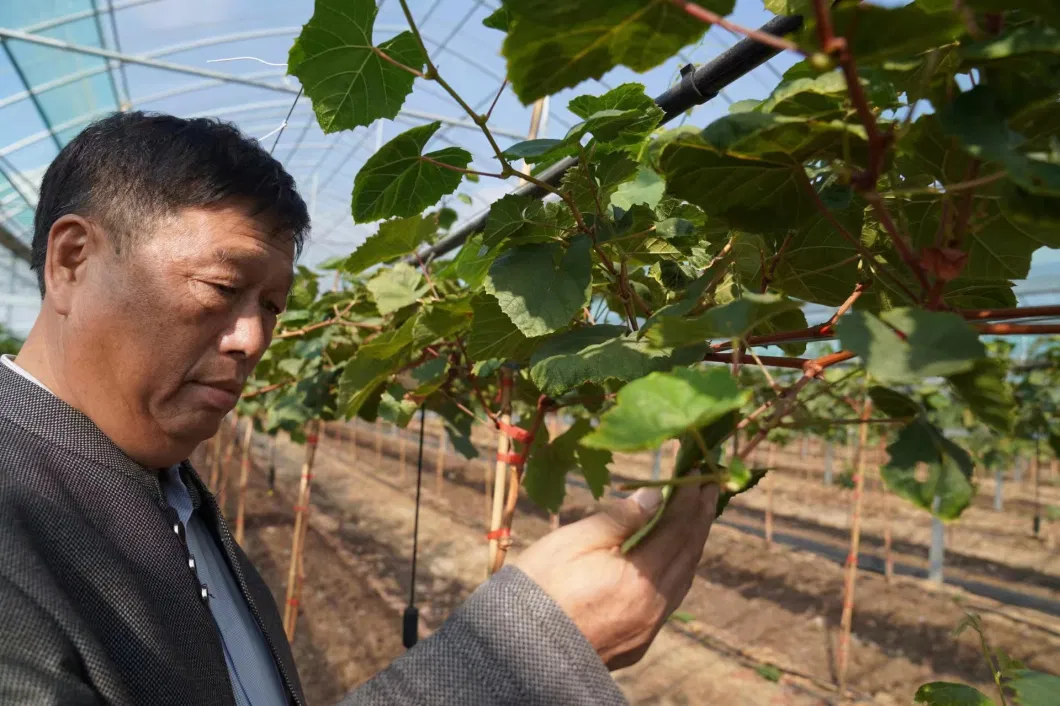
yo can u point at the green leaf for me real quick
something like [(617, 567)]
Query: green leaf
[(546, 470), (895, 32), (395, 238), (394, 408), (443, 319), (821, 98), (1034, 688), (397, 181), (552, 46), (530, 150), (660, 406), (988, 394), (592, 192), (820, 265), (893, 403), (622, 117), (396, 287), (783, 138), (593, 464), (541, 287), (371, 365), (498, 19), (1021, 41), (748, 193), (944, 693), (493, 335), (513, 215), (733, 320), (473, 261), (341, 71), (646, 188), (905, 345), (948, 475), (596, 354)]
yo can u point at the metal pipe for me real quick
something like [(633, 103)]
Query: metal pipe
[(697, 86)]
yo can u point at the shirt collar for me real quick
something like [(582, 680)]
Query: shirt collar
[(9, 361)]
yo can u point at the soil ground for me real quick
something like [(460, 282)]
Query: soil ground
[(751, 606)]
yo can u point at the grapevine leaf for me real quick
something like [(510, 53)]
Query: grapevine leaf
[(398, 181), (443, 319), (597, 354), (948, 476), (1021, 41), (546, 470), (820, 265), (531, 150), (733, 320), (748, 193), (1033, 688), (371, 365), (646, 188), (343, 73), (511, 215), (498, 19), (790, 320), (592, 190), (999, 245), (493, 335), (622, 117), (944, 693), (458, 428), (897, 32), (471, 263), (395, 238), (551, 46), (893, 403), (394, 408), (904, 345), (593, 464), (660, 406), (987, 393), (540, 287), (783, 138), (821, 98), (396, 287)]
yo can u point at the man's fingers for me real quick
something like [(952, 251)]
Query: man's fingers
[(618, 522), (682, 571), (660, 548)]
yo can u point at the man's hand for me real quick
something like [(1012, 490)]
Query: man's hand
[(620, 602)]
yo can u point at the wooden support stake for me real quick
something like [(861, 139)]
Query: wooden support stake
[(301, 524), (439, 462), (244, 475), (215, 460), (226, 469), (851, 575), (770, 460), (233, 440), (378, 443), (500, 471)]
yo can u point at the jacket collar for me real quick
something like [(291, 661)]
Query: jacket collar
[(41, 414)]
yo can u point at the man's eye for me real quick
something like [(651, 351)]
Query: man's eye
[(225, 289), (272, 308)]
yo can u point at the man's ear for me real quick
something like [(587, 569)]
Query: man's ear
[(73, 242)]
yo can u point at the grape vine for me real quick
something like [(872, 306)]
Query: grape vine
[(902, 173)]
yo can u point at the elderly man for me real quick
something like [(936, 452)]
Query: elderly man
[(164, 251)]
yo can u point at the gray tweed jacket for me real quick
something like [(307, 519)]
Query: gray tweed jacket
[(98, 604)]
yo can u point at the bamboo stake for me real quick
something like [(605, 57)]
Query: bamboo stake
[(215, 460), (232, 441), (487, 472), (500, 472), (378, 443), (439, 462), (852, 559), (770, 461), (552, 422), (888, 516), (226, 468), (244, 474), (301, 522)]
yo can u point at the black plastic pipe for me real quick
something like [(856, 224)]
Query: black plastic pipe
[(696, 87)]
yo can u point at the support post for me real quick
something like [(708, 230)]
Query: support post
[(828, 463), (439, 462), (768, 480), (999, 492), (851, 574), (937, 550), (244, 475), (500, 471), (295, 570), (215, 458)]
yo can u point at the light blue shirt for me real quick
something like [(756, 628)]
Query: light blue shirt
[(255, 678)]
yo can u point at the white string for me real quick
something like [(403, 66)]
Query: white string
[(250, 58)]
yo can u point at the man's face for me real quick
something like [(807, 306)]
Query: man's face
[(168, 331)]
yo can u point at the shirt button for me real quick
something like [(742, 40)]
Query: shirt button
[(203, 593), (191, 563)]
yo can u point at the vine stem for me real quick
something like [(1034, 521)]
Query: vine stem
[(489, 113), (386, 57), (462, 170), (704, 15), (432, 74), (313, 327), (267, 389)]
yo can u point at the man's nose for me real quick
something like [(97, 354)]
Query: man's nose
[(248, 336)]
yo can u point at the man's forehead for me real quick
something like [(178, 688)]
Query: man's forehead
[(234, 235)]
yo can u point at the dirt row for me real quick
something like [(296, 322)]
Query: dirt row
[(749, 608)]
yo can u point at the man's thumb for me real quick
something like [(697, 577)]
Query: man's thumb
[(622, 518)]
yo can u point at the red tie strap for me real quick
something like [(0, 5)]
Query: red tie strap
[(517, 433), (499, 533), (511, 458), (312, 439)]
